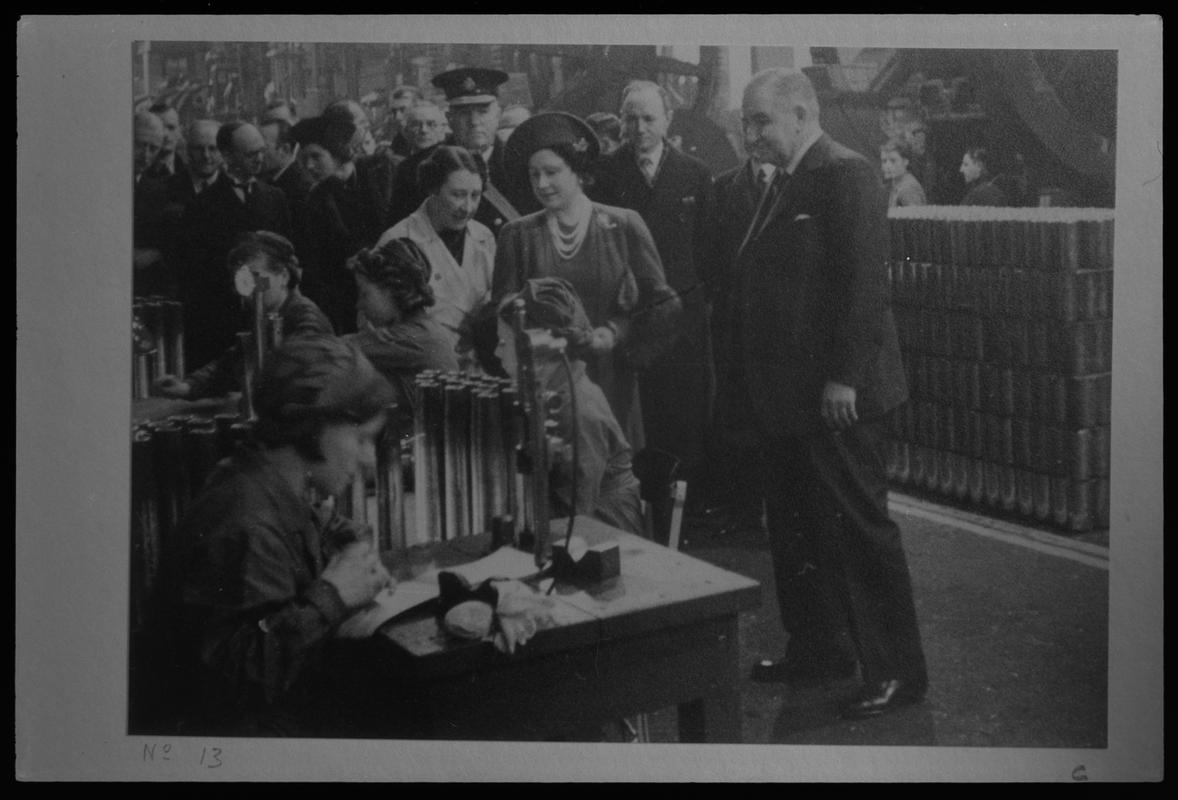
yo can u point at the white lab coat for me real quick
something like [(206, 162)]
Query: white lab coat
[(459, 289)]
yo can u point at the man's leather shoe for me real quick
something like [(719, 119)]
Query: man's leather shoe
[(792, 669), (884, 696)]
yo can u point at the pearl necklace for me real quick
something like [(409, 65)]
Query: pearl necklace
[(569, 244)]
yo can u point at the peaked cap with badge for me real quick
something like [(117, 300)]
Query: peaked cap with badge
[(468, 86)]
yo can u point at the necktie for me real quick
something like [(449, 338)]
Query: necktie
[(646, 164), (768, 200), (763, 182)]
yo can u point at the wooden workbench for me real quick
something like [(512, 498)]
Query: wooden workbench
[(662, 633)]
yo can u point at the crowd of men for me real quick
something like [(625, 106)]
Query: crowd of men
[(775, 396)]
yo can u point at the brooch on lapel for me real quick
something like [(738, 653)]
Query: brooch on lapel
[(604, 221), (687, 201)]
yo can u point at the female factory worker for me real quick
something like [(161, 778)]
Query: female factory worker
[(266, 581), (460, 250), (397, 334), (606, 253), (605, 485), (903, 187), (343, 213), (264, 256)]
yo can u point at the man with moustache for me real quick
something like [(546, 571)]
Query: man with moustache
[(236, 203), (672, 192), (814, 354)]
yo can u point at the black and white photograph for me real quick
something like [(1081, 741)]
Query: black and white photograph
[(618, 398)]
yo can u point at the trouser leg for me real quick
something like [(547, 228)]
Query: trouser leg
[(849, 480), (808, 591)]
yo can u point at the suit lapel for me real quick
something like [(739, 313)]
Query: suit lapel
[(786, 200)]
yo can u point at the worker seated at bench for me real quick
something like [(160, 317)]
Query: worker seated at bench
[(257, 256), (264, 576), (606, 487)]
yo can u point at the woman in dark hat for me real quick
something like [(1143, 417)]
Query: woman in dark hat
[(606, 487), (397, 333), (260, 255), (266, 577), (605, 253), (342, 214)]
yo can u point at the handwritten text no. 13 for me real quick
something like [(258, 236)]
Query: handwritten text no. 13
[(210, 757)]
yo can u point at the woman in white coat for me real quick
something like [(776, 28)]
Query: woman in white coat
[(461, 251)]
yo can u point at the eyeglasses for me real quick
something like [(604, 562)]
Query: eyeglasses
[(427, 124)]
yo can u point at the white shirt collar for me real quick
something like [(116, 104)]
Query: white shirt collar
[(200, 184)]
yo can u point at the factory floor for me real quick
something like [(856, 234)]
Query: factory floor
[(1015, 628)]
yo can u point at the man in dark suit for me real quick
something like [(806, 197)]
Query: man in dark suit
[(375, 171), (282, 168), (472, 95), (401, 100), (731, 445), (170, 160), (204, 168), (148, 231), (818, 363), (234, 204), (672, 192)]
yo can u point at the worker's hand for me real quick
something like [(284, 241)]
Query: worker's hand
[(838, 406), (357, 574), (171, 386), (602, 340)]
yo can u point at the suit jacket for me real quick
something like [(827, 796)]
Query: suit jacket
[(210, 227), (674, 208), (516, 188), (407, 195), (340, 218), (295, 182), (377, 173), (735, 196), (150, 196), (160, 170), (811, 295), (149, 233)]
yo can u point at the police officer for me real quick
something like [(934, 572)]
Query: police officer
[(472, 94)]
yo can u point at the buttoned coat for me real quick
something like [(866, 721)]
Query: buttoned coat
[(459, 289), (811, 297), (677, 389)]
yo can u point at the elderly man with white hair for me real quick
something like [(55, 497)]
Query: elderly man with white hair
[(811, 366)]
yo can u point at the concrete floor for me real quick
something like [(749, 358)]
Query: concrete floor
[(1015, 628)]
